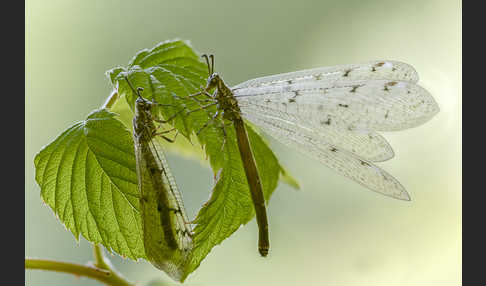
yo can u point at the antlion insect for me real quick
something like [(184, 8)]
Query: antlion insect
[(167, 235), (228, 109), (330, 113)]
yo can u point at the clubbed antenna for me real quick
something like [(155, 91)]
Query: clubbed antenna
[(210, 66), (212, 63)]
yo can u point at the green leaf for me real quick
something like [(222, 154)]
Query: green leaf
[(159, 282), (169, 83), (87, 177), (288, 179), (230, 204), (189, 149), (284, 174)]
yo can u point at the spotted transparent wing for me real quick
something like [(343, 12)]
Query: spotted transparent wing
[(182, 228), (175, 197), (379, 105), (157, 249), (365, 144), (342, 161), (391, 70), (377, 95)]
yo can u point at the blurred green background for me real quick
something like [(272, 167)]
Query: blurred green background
[(333, 232)]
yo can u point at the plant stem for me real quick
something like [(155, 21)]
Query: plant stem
[(111, 100), (101, 271), (100, 258)]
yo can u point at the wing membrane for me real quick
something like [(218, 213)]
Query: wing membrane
[(366, 144), (175, 197), (343, 162), (390, 70), (167, 235), (379, 105)]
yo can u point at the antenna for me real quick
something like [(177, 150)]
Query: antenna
[(212, 63), (210, 66), (139, 89), (207, 62)]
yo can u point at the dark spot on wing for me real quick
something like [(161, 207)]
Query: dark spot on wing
[(323, 89), (346, 73), (333, 149), (327, 122), (391, 83), (318, 76), (296, 92), (289, 81), (182, 231), (343, 105), (291, 100), (267, 100), (364, 163), (386, 114), (354, 88), (373, 69), (394, 69)]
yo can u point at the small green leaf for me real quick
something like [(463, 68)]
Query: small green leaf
[(288, 179), (87, 176)]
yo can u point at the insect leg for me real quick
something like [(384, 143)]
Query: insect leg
[(201, 100), (208, 122), (168, 119), (162, 134), (202, 107), (202, 92), (224, 134)]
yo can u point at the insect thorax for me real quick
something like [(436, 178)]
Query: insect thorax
[(142, 121), (227, 101)]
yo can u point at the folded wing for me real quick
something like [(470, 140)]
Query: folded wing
[(341, 161)]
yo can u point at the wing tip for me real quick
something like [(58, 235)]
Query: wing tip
[(402, 70), (435, 108), (386, 155), (404, 196)]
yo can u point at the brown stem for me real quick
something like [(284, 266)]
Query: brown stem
[(101, 271)]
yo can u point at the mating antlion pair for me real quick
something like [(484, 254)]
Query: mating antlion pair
[(330, 113)]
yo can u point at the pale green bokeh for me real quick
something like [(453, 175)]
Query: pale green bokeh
[(333, 232)]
